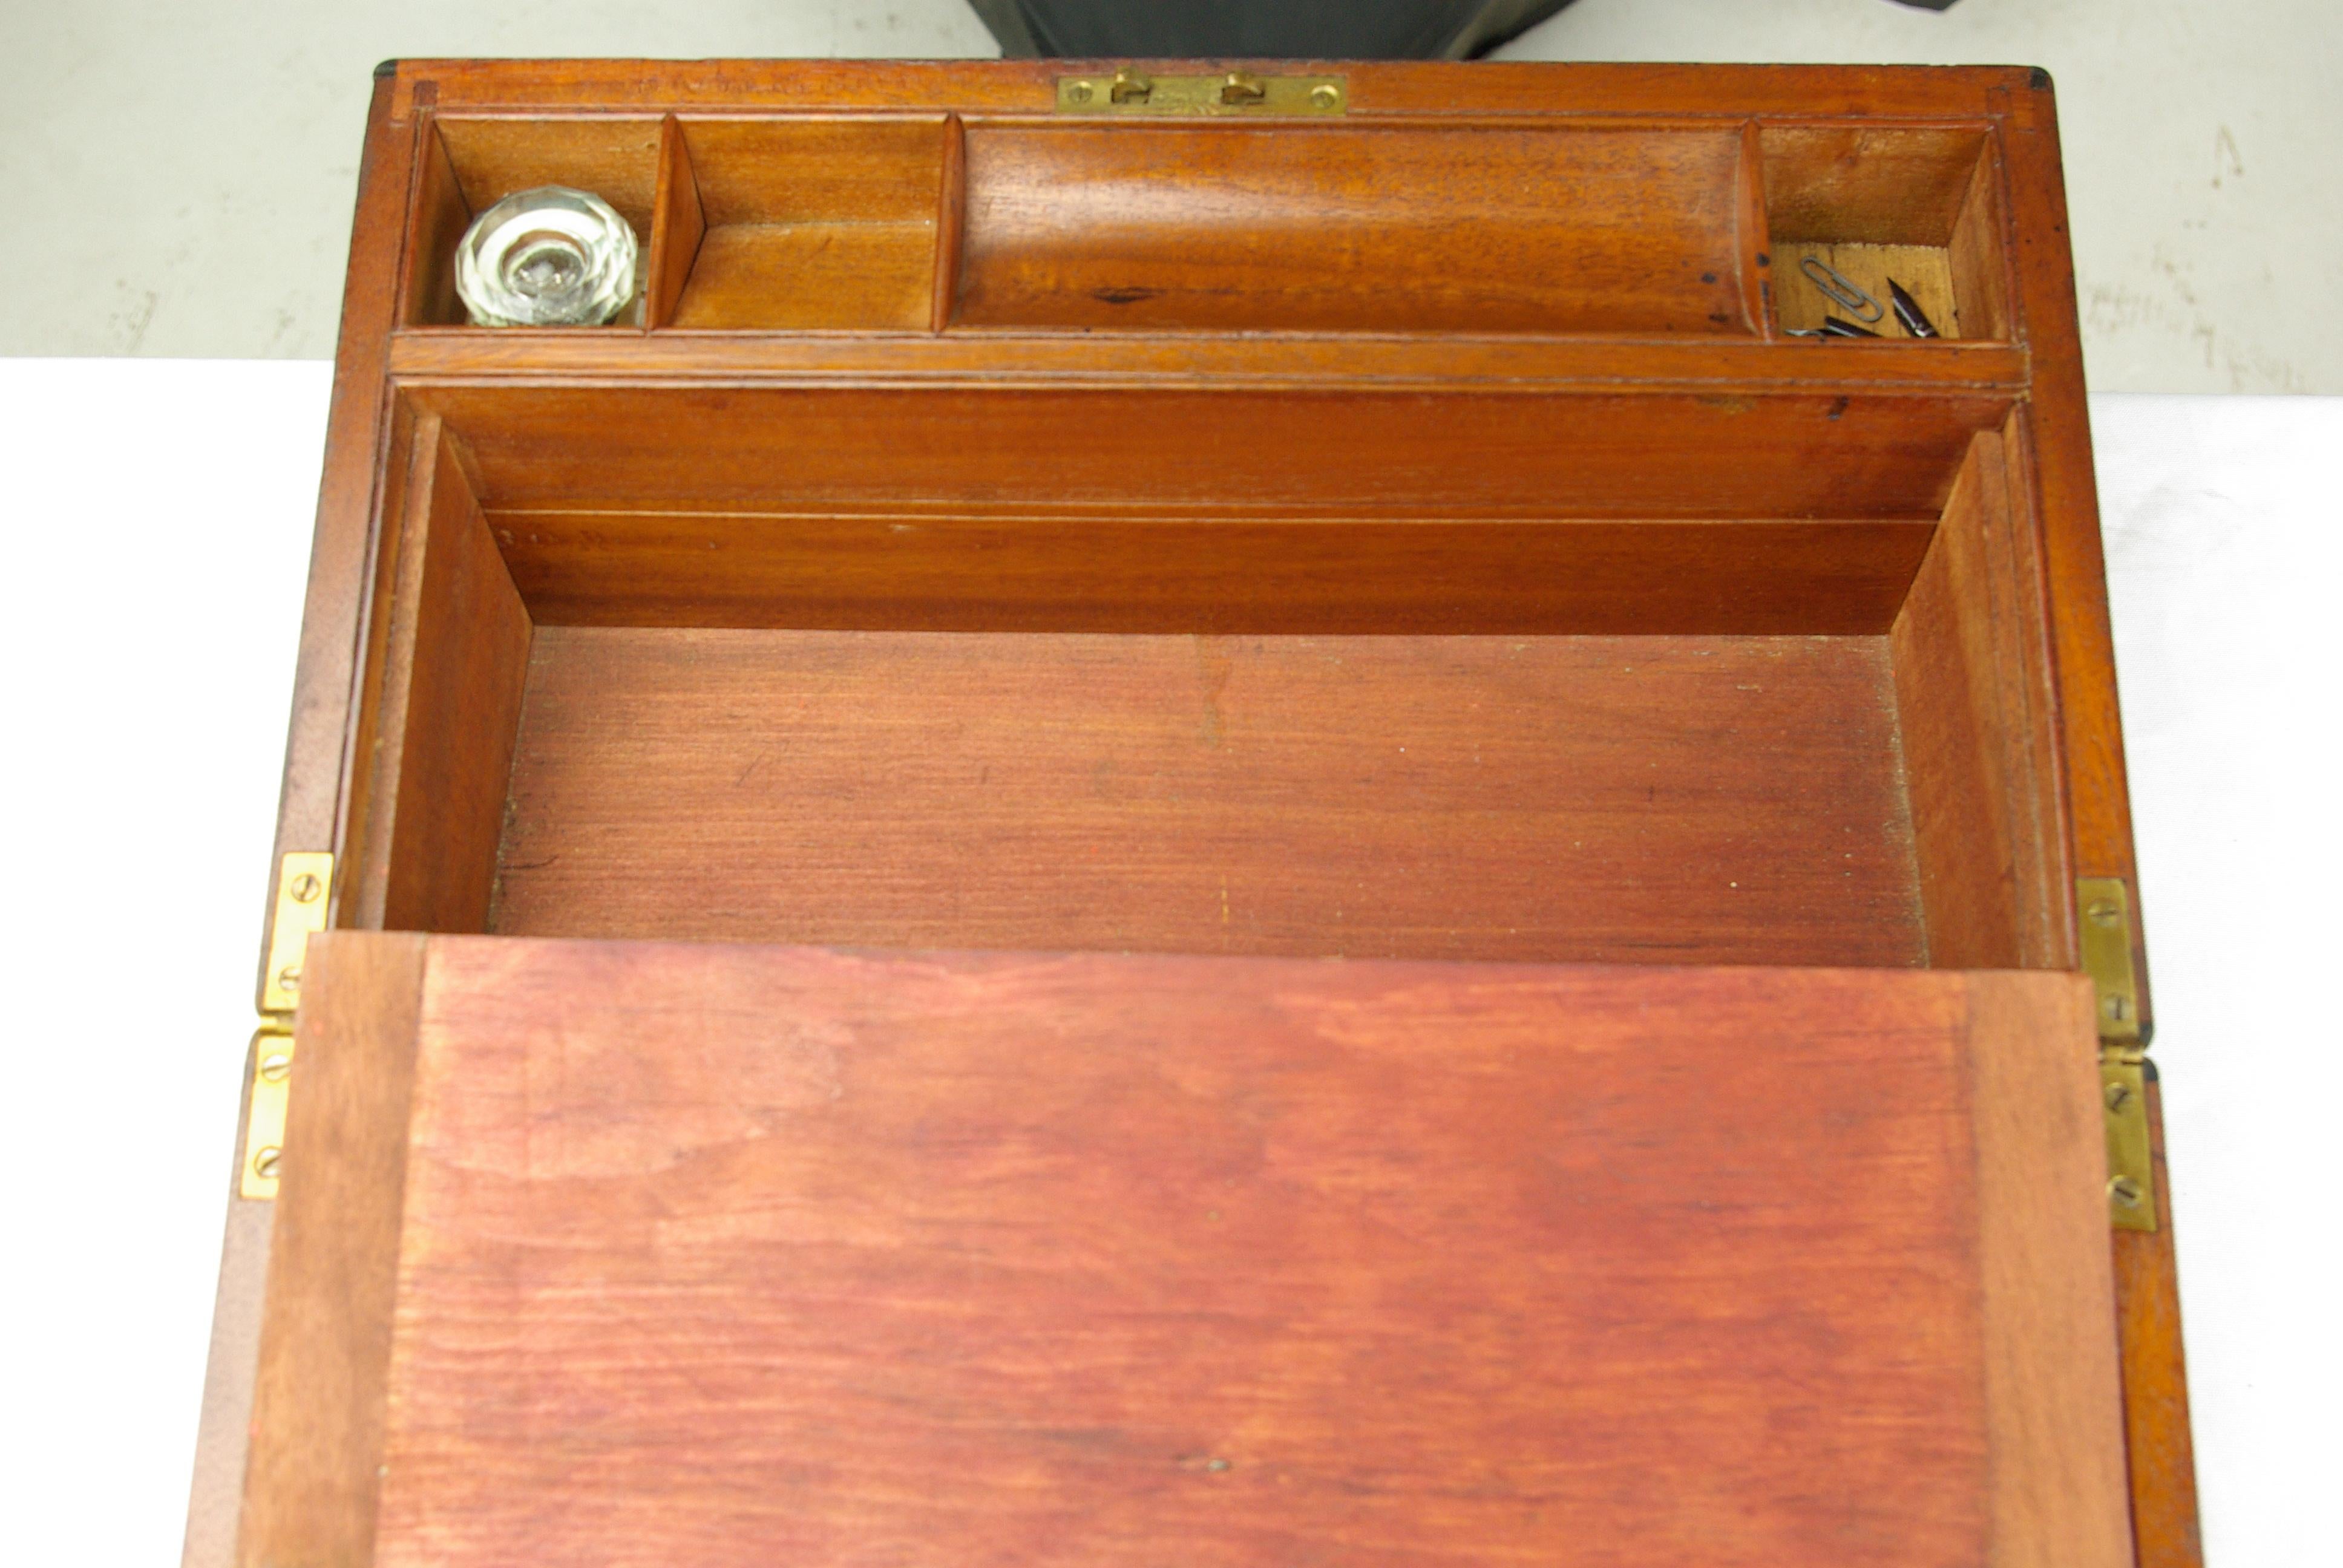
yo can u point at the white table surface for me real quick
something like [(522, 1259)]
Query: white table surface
[(155, 519)]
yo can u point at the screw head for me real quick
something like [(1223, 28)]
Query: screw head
[(265, 1164), (2118, 1095), (2103, 912), (306, 888), (289, 978), (1325, 95), (274, 1066), (2126, 1191), (1080, 93)]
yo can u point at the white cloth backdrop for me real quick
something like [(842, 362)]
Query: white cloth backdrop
[(153, 526)]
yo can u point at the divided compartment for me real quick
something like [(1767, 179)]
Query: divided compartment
[(921, 224), (469, 164), (1920, 204), (1373, 676)]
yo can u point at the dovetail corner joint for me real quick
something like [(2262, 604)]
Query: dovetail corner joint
[(1130, 91), (305, 889), (264, 1118), (2104, 905)]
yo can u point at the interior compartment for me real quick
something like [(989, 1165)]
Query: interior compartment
[(801, 679), (469, 165), (1225, 226), (1918, 205), (793, 225)]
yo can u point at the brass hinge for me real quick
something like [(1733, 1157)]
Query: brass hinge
[(2105, 903), (305, 886), (1131, 91)]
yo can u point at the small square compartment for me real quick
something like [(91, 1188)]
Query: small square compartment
[(469, 165), (1919, 206), (803, 225)]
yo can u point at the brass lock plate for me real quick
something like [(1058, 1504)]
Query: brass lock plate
[(1131, 91)]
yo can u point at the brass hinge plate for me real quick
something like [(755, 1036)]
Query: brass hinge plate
[(305, 893), (2131, 1171), (264, 1119), (304, 885), (2103, 904), (1130, 91)]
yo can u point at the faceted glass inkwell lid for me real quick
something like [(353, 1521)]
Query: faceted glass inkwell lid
[(550, 257)]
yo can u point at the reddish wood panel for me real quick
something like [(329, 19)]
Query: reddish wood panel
[(726, 1256), (815, 223), (454, 662), (1323, 226), (1670, 800), (319, 1411), (2160, 1453), (1278, 452), (1977, 703), (897, 571)]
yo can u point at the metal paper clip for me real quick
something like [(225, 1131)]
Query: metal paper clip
[(1841, 289)]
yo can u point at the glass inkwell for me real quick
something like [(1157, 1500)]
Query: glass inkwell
[(551, 256)]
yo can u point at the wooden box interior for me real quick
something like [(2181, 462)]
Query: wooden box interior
[(1656, 678), (1110, 547), (928, 222)]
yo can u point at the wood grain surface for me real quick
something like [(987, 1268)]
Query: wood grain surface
[(1320, 226), (454, 667), (1242, 452), (1670, 799), (1976, 703), (889, 570), (1397, 425), (730, 1255), (320, 1410)]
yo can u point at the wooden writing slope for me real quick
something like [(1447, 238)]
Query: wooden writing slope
[(1207, 816)]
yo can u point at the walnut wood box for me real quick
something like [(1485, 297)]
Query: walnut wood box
[(1208, 819)]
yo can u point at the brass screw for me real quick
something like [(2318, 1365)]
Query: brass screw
[(1080, 93), (1325, 95), (305, 888), (2126, 1191), (289, 978), (2103, 912), (274, 1066), (265, 1164), (2118, 1096)]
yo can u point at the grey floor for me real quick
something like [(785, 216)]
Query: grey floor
[(177, 178)]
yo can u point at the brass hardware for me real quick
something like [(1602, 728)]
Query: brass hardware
[(304, 885), (2105, 906), (1133, 91), (305, 894), (263, 1121), (2131, 1174)]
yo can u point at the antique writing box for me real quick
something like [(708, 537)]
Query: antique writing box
[(1207, 815)]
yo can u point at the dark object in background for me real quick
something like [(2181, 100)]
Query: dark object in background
[(1288, 30), (1922, 5)]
